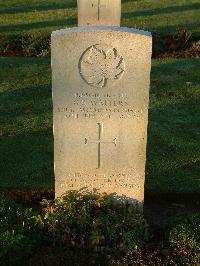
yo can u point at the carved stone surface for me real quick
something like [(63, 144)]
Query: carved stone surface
[(100, 63), (99, 12), (100, 83)]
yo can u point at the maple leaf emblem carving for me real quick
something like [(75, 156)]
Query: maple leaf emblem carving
[(98, 65)]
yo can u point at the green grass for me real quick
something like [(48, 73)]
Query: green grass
[(26, 139), (26, 123), (18, 16), (25, 26), (174, 122)]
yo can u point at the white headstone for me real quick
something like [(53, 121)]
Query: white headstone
[(99, 12), (101, 79)]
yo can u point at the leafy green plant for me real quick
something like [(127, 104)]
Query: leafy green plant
[(184, 242), (19, 232), (89, 228), (94, 223)]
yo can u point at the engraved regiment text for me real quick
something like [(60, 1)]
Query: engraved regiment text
[(95, 105)]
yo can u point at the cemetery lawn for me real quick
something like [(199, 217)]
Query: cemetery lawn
[(26, 138), (17, 16)]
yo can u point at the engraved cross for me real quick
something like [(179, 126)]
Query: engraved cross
[(99, 142), (98, 5)]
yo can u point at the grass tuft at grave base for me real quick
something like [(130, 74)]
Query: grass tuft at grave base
[(86, 228), (26, 135)]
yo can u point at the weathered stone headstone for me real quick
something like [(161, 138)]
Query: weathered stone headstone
[(99, 12), (101, 81)]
